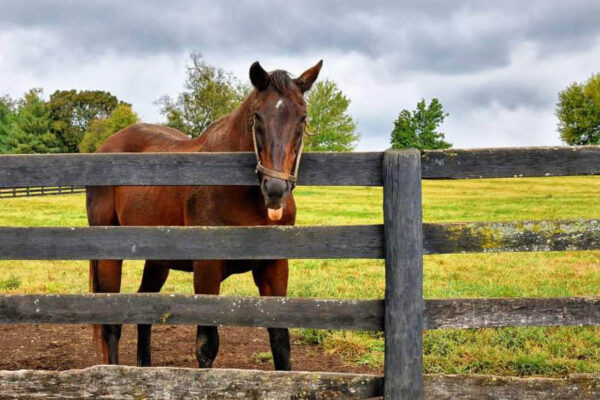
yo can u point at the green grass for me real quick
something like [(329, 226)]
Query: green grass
[(510, 351)]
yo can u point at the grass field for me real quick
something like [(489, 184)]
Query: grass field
[(509, 351)]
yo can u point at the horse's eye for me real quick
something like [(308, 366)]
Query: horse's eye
[(303, 119), (258, 117)]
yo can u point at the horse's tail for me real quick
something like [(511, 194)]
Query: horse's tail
[(99, 344)]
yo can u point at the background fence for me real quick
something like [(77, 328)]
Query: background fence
[(402, 241), (29, 191)]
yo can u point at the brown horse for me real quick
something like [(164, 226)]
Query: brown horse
[(271, 121)]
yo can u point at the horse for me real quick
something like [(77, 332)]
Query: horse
[(271, 121)]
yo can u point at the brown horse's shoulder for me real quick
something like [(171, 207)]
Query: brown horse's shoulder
[(143, 137)]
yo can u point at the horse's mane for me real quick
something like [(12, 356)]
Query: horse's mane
[(281, 80)]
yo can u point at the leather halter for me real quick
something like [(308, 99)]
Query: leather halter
[(292, 178)]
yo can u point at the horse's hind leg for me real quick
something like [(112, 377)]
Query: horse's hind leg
[(207, 280), (271, 277), (107, 279), (154, 277)]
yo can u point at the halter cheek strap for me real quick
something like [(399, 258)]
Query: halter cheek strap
[(292, 178)]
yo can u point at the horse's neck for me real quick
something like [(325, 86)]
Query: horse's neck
[(229, 134)]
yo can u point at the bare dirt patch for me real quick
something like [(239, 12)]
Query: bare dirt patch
[(61, 347)]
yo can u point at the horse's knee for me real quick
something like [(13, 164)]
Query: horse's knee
[(280, 348), (207, 345)]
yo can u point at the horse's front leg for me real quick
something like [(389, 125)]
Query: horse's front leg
[(207, 280), (271, 277), (154, 277)]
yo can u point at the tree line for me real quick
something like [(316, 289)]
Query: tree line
[(80, 121)]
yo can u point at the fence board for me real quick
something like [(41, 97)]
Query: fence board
[(133, 383), (274, 312), (191, 243), (556, 235), (291, 312), (511, 162), (356, 241), (336, 169), (130, 383)]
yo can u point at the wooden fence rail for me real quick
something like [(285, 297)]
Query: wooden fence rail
[(29, 191), (367, 315), (402, 241)]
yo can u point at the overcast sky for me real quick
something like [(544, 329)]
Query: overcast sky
[(496, 66)]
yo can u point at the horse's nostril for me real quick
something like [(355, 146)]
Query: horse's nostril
[(275, 187)]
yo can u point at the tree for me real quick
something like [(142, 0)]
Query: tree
[(418, 129), (209, 94), (71, 113), (100, 129), (578, 112), (30, 126), (7, 113), (331, 127)]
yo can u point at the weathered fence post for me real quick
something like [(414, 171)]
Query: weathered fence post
[(403, 275)]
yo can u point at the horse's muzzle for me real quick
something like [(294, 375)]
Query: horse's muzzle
[(275, 191)]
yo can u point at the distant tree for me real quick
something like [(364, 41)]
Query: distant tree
[(30, 126), (100, 129), (7, 114), (209, 94), (419, 128), (328, 120), (578, 112), (71, 113)]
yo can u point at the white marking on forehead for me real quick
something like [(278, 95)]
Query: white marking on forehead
[(279, 103)]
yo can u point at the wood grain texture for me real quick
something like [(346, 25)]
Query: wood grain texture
[(347, 169), (133, 383), (356, 241), (187, 243), (403, 275), (291, 312), (112, 382), (488, 313), (511, 162), (274, 312), (477, 387), (558, 235)]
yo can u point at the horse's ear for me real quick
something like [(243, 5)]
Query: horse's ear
[(308, 77), (259, 77)]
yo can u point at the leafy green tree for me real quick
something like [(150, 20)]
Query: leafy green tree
[(578, 112), (30, 126), (7, 113), (209, 94), (100, 129), (418, 129), (328, 120), (71, 113)]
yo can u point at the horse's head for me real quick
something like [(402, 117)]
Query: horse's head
[(278, 125)]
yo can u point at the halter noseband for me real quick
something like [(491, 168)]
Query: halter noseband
[(292, 178)]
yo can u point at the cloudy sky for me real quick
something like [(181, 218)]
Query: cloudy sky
[(496, 66)]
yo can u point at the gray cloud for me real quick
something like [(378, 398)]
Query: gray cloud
[(474, 55)]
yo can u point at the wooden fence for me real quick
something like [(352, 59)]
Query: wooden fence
[(401, 240), (29, 191)]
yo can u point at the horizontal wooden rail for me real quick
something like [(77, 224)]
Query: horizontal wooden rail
[(477, 237), (274, 312), (335, 169), (133, 383), (279, 312), (510, 162), (118, 382), (189, 243), (270, 242), (129, 383)]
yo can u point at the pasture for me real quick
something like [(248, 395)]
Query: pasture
[(552, 351)]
